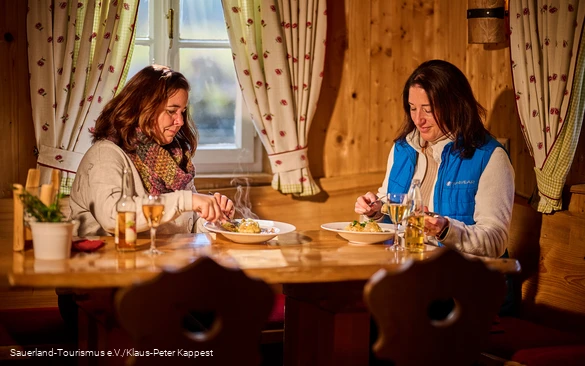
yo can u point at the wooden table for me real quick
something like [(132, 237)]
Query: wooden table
[(322, 276)]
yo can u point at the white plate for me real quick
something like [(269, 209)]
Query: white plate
[(277, 228), (357, 237)]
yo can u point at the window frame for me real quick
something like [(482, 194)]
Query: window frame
[(245, 156)]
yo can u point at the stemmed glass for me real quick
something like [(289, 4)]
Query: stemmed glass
[(153, 209), (397, 208)]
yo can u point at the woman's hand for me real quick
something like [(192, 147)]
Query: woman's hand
[(434, 223), (368, 205), (213, 208), (226, 205)]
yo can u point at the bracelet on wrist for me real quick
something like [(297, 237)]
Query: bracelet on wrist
[(443, 233)]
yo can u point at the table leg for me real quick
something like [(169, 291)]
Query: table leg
[(326, 324), (98, 329)]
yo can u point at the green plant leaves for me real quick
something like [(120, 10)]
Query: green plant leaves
[(39, 210)]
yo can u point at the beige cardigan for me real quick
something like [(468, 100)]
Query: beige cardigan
[(97, 188)]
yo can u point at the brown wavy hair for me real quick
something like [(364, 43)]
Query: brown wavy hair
[(458, 114), (139, 104)]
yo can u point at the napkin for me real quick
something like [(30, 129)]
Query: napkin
[(88, 246)]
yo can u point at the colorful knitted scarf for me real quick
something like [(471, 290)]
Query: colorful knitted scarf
[(162, 169)]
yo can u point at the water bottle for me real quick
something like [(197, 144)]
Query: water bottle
[(125, 232), (414, 232)]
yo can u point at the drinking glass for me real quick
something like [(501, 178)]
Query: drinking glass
[(397, 208), (153, 209)]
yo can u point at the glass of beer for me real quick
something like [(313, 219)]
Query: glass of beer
[(398, 209), (153, 209)]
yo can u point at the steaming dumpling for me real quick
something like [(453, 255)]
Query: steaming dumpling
[(249, 226)]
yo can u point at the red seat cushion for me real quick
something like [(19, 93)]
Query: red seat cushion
[(552, 356), (277, 314), (514, 334), (34, 326)]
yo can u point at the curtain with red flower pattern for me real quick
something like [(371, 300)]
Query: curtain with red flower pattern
[(78, 55), (279, 51), (548, 68)]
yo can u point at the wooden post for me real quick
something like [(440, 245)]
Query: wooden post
[(22, 233), (46, 196), (32, 186), (56, 183), (32, 181), (18, 225)]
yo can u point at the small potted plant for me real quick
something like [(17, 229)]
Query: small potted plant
[(52, 233)]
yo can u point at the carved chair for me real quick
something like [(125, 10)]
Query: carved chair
[(434, 312), (153, 314)]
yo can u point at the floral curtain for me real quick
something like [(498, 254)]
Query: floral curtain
[(548, 68), (279, 51), (78, 54)]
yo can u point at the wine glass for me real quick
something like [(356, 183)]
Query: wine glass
[(153, 209), (397, 208)]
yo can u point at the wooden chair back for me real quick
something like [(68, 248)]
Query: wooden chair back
[(401, 305), (46, 193), (153, 312)]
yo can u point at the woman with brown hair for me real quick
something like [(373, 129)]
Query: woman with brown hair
[(466, 175), (148, 130)]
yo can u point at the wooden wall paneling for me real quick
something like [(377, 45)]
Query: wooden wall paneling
[(523, 164), (17, 140), (387, 80), (521, 159), (345, 142), (577, 172), (406, 37), (419, 27), (479, 70), (502, 118), (438, 31), (475, 70), (488, 69), (333, 71), (452, 32), (372, 47)]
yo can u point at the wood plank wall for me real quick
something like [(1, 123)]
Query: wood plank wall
[(17, 140), (372, 47)]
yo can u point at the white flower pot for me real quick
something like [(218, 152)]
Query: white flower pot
[(52, 240)]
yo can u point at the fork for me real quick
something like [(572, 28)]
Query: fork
[(374, 202)]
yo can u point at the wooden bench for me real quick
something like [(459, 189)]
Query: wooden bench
[(553, 263), (550, 328)]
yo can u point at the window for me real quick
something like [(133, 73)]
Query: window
[(200, 49)]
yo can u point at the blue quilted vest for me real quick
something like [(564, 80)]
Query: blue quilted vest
[(457, 181), (455, 191)]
